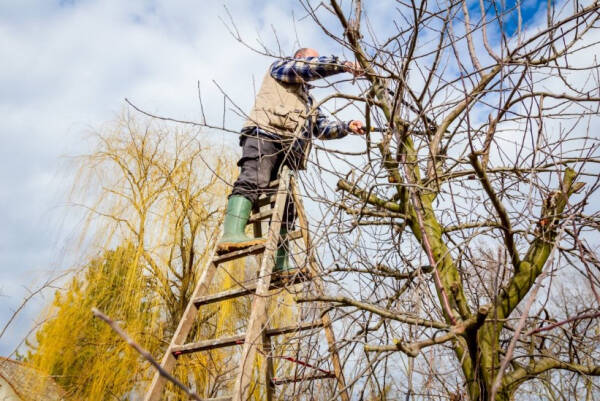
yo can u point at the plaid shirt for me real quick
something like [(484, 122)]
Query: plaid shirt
[(303, 70)]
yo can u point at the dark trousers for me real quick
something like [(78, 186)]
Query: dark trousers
[(261, 163)]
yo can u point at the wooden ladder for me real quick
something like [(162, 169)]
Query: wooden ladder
[(257, 338)]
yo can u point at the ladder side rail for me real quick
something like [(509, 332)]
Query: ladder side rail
[(267, 372), (254, 331), (182, 331), (326, 319), (267, 367)]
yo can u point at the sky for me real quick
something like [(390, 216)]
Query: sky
[(67, 67)]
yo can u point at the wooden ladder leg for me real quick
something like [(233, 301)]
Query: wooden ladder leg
[(180, 335), (242, 388), (267, 368), (326, 319)]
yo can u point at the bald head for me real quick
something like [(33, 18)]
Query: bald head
[(306, 52)]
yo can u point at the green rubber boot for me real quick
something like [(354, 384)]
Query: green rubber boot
[(234, 237), (282, 259)]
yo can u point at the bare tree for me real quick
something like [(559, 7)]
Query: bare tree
[(460, 228), (462, 242)]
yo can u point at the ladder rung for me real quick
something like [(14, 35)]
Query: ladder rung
[(226, 257), (265, 200), (206, 345), (277, 382), (279, 280), (294, 328), (291, 276), (253, 250), (224, 295), (294, 235), (270, 196), (226, 398), (260, 216)]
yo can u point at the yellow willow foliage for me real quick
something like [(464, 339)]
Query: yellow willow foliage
[(82, 353), (153, 198)]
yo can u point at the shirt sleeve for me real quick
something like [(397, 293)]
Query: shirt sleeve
[(326, 129), (300, 70)]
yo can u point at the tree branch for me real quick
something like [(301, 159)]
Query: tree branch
[(145, 354), (400, 317)]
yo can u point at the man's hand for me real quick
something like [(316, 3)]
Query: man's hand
[(356, 127), (354, 68)]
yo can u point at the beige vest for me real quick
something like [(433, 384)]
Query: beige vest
[(280, 108)]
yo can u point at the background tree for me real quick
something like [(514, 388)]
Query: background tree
[(465, 234), (462, 244), (84, 357), (153, 205)]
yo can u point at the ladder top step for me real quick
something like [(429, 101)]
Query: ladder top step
[(206, 345)]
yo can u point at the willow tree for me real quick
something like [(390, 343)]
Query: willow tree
[(153, 199), (78, 350), (465, 233)]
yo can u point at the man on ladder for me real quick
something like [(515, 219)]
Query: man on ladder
[(278, 131), (280, 125)]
